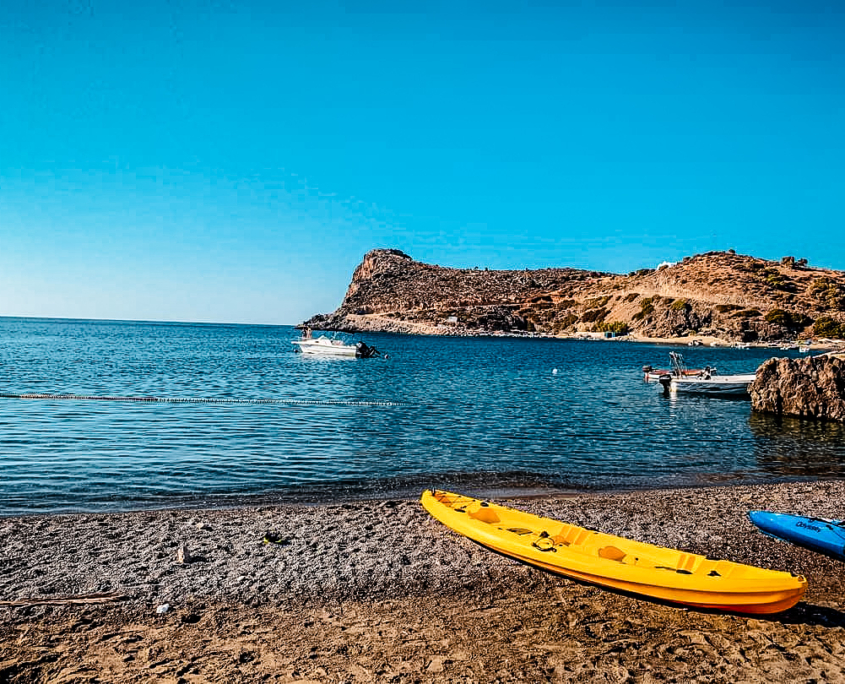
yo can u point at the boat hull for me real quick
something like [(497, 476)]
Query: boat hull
[(824, 536), (325, 348), (717, 385), (617, 563)]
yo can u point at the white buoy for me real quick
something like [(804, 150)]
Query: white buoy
[(554, 371)]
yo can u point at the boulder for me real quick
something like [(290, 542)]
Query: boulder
[(807, 388)]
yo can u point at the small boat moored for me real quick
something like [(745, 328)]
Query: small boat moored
[(716, 386), (617, 563), (324, 345), (708, 381)]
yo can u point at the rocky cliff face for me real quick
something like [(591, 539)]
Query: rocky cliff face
[(723, 294), (807, 388)]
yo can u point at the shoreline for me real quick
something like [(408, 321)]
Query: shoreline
[(377, 590), (509, 492), (425, 330)]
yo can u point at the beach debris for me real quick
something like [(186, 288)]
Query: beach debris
[(274, 538), (163, 608), (65, 600), (183, 556), (436, 664)]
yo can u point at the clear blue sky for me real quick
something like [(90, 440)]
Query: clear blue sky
[(232, 162)]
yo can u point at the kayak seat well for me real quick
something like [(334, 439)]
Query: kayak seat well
[(612, 553), (487, 515), (687, 562), (570, 535)]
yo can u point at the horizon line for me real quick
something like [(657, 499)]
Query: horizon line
[(142, 320)]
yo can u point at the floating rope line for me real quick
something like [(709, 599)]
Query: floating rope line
[(204, 400)]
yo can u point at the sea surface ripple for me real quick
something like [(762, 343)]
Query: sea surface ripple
[(486, 414)]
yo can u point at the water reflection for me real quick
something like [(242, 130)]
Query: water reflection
[(787, 446)]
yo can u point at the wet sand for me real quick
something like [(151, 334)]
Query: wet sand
[(379, 591)]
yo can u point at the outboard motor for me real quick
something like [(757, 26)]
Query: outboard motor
[(365, 351), (666, 381)]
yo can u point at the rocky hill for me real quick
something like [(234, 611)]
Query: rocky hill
[(721, 294)]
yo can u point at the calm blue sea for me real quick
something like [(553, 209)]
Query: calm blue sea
[(482, 415)]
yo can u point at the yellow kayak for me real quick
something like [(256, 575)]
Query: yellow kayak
[(615, 562)]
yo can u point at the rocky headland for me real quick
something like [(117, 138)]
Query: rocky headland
[(725, 295)]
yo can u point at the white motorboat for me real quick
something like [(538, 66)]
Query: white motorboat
[(325, 346), (333, 346), (713, 385), (708, 381)]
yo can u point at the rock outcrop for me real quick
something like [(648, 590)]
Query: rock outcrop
[(807, 388), (722, 294)]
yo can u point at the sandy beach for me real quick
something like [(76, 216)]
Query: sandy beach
[(379, 591)]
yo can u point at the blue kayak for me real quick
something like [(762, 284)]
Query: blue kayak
[(817, 534)]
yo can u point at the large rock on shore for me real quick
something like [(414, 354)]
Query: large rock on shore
[(807, 388)]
